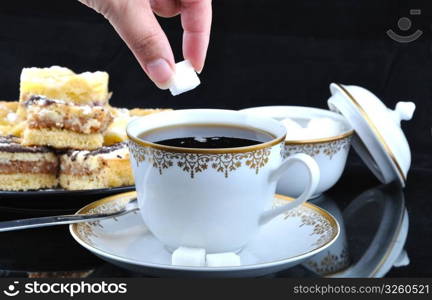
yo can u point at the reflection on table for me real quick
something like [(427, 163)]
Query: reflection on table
[(374, 227)]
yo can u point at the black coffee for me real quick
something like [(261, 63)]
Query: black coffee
[(208, 142), (206, 136)]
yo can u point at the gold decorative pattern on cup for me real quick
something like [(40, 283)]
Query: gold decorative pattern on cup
[(327, 148), (194, 163)]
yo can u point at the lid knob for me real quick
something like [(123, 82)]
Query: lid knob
[(405, 110)]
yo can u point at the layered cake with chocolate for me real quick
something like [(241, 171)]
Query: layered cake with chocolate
[(63, 133), (26, 168), (107, 166), (62, 124)]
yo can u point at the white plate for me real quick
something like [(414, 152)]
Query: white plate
[(284, 242)]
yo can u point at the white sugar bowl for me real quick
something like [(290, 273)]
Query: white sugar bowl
[(378, 139), (329, 151)]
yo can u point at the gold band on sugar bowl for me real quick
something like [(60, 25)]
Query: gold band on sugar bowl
[(321, 140)]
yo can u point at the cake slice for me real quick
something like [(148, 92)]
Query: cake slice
[(61, 83), (116, 132), (141, 112), (7, 107), (62, 124), (26, 168), (10, 122), (105, 167), (8, 116)]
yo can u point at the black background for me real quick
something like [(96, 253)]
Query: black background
[(262, 52)]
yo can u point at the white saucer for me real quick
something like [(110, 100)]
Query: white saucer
[(286, 241)]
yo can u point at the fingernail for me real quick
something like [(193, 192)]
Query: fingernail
[(160, 72)]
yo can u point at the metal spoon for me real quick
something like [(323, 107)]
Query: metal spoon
[(131, 206)]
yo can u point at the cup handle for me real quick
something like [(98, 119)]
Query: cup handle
[(314, 177)]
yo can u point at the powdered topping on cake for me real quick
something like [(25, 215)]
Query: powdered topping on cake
[(118, 150)]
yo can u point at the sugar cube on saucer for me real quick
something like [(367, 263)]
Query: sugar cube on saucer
[(226, 259), (191, 257), (184, 79)]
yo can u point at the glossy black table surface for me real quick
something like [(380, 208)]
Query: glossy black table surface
[(373, 217)]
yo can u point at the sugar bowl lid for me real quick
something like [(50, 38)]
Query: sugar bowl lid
[(379, 140)]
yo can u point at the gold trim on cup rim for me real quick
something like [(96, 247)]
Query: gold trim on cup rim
[(375, 131), (321, 140), (245, 149)]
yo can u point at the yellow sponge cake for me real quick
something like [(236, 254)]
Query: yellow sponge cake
[(61, 83)]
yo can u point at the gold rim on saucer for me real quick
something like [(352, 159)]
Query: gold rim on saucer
[(327, 227)]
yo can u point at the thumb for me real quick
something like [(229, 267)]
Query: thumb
[(136, 24)]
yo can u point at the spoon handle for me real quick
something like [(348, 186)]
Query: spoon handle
[(57, 220)]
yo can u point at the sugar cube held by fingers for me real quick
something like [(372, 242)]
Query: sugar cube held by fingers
[(191, 257), (184, 79)]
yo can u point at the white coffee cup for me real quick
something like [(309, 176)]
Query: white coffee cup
[(210, 198)]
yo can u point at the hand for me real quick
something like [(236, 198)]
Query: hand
[(135, 22)]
